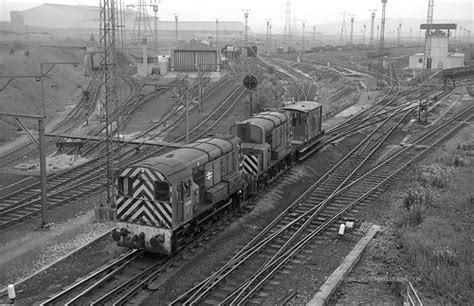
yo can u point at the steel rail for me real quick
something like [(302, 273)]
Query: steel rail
[(251, 248), (92, 168), (227, 105), (277, 263), (317, 211), (208, 281), (121, 262)]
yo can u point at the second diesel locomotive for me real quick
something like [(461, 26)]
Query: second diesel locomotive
[(163, 200), (272, 141)]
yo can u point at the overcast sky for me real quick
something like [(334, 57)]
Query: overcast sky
[(313, 12)]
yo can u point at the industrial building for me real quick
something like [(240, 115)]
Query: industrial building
[(195, 56), (60, 16), (440, 56)]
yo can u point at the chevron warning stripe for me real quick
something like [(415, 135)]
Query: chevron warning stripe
[(139, 204), (251, 165), (143, 189), (141, 171), (145, 212)]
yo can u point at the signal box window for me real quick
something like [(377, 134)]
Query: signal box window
[(162, 191)]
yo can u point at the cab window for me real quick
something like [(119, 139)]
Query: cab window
[(162, 191), (186, 188), (125, 186)]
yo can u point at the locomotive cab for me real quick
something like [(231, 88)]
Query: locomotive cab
[(306, 121)]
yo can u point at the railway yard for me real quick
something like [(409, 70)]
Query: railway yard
[(400, 157)]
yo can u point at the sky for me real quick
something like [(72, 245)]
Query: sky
[(312, 12)]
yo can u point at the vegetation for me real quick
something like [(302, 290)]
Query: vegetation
[(269, 93), (435, 231)]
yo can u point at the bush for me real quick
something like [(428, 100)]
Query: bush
[(415, 216), (269, 94), (458, 161), (435, 176), (442, 257), (418, 198)]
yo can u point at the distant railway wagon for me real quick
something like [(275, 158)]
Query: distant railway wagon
[(160, 198), (457, 72)]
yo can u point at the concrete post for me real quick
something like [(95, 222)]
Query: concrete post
[(44, 193)]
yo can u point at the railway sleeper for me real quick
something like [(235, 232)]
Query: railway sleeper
[(210, 301), (310, 203), (220, 293), (263, 294)]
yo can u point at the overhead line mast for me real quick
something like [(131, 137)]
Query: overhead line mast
[(109, 98), (429, 22), (141, 27)]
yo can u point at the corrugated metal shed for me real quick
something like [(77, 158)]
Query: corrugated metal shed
[(196, 56), (438, 26)]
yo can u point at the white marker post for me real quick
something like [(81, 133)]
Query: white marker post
[(11, 293), (342, 227)]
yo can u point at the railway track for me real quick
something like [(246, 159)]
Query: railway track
[(74, 118), (358, 178), (296, 219), (216, 115), (118, 282), (379, 110), (177, 115), (368, 152), (88, 178), (300, 85)]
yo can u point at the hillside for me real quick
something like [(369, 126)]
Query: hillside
[(23, 95)]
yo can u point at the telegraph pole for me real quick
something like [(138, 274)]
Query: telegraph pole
[(302, 40), (352, 30), (343, 27), (363, 40), (217, 32), (268, 36), (270, 30), (382, 31), (372, 17), (246, 15), (176, 29), (399, 34)]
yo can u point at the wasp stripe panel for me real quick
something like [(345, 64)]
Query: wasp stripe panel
[(251, 164), (152, 213)]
